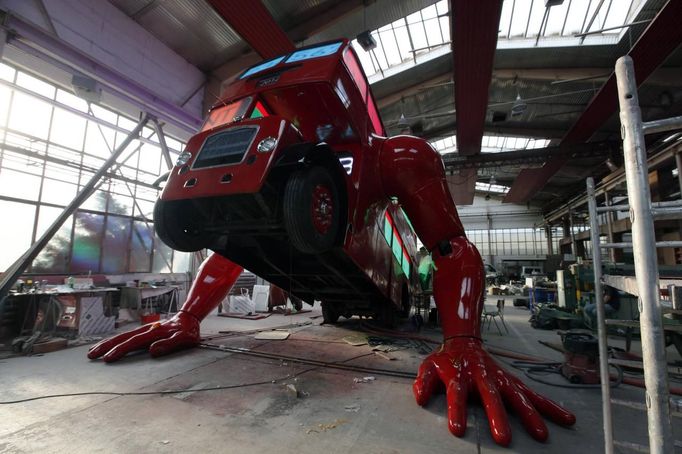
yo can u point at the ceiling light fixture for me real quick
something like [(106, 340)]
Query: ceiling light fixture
[(519, 106), (366, 41)]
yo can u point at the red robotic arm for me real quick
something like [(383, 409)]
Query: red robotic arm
[(413, 171)]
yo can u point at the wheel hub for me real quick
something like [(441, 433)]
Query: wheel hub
[(322, 208)]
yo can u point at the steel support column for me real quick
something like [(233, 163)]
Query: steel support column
[(601, 319), (646, 263), (19, 266), (162, 143)]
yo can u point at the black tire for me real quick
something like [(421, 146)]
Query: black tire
[(329, 313), (176, 229), (310, 191)]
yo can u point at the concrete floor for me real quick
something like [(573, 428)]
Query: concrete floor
[(333, 414)]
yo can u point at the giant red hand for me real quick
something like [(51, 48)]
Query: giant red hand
[(463, 367), (215, 278), (161, 338)]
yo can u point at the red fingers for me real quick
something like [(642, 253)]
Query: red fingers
[(177, 341), (530, 418), (426, 382), (139, 341), (105, 345), (494, 408), (457, 404), (547, 407)]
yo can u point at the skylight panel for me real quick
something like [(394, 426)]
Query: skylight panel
[(505, 19), (556, 19), (537, 13), (418, 34), (523, 19), (492, 188), (519, 19), (407, 38), (390, 46), (403, 39), (492, 144), (617, 16), (576, 17)]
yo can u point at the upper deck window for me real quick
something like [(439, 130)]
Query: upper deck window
[(262, 66), (314, 52), (308, 53)]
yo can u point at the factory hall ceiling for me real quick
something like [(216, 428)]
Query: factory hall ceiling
[(516, 75)]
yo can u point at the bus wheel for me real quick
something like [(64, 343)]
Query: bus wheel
[(312, 210), (329, 313), (176, 227)]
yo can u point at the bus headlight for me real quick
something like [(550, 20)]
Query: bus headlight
[(266, 145)]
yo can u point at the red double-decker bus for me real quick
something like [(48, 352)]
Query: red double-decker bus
[(284, 179)]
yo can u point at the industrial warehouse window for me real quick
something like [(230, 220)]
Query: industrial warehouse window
[(512, 243), (51, 143)]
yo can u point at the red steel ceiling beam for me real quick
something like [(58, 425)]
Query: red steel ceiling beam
[(474, 29), (474, 39), (659, 40), (254, 23)]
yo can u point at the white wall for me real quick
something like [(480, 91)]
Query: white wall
[(99, 29)]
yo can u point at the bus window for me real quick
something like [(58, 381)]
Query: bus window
[(396, 244), (359, 78), (226, 114)]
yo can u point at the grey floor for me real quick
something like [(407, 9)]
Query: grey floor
[(333, 413)]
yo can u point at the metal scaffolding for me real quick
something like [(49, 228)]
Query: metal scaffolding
[(646, 266)]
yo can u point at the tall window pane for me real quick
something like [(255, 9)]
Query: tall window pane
[(18, 226), (141, 248), (54, 258), (115, 247), (87, 243)]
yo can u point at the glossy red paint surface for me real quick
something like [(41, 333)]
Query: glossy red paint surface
[(215, 278), (462, 367), (328, 91), (458, 286), (324, 97), (246, 177), (413, 171)]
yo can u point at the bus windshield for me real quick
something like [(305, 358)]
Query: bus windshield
[(227, 113)]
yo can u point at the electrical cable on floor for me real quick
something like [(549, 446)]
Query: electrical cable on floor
[(535, 370), (312, 362), (173, 391)]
